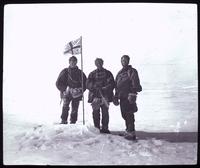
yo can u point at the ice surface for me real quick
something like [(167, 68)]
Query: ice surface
[(32, 141)]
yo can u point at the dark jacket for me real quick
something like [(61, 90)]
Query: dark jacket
[(70, 77), (100, 81), (127, 81)]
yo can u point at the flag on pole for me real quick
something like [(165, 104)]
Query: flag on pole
[(73, 47)]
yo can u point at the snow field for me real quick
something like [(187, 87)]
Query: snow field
[(78, 144)]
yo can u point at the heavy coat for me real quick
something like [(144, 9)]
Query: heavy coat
[(70, 77), (127, 81), (100, 81)]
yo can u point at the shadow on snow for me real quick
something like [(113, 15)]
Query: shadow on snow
[(168, 136)]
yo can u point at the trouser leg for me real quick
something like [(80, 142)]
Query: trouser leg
[(127, 114), (123, 114), (96, 118), (65, 109), (130, 122), (105, 117), (74, 112)]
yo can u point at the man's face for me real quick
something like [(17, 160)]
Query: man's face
[(98, 64), (72, 63), (124, 61)]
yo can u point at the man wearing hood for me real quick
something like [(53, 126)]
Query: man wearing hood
[(127, 84)]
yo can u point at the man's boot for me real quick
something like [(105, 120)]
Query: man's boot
[(63, 122), (106, 131), (130, 135)]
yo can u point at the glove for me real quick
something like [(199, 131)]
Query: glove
[(115, 101), (132, 98)]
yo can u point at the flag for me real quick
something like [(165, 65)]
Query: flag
[(73, 47)]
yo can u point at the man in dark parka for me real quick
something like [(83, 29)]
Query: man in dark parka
[(127, 84), (100, 84), (69, 83)]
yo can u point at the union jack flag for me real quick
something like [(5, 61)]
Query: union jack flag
[(73, 47)]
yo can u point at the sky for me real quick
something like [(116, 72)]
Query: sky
[(161, 40)]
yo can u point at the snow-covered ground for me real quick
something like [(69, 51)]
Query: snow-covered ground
[(32, 139)]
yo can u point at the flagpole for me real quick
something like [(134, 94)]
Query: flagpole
[(82, 81)]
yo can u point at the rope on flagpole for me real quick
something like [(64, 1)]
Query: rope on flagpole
[(82, 82)]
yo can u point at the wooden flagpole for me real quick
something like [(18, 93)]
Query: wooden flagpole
[(82, 81)]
